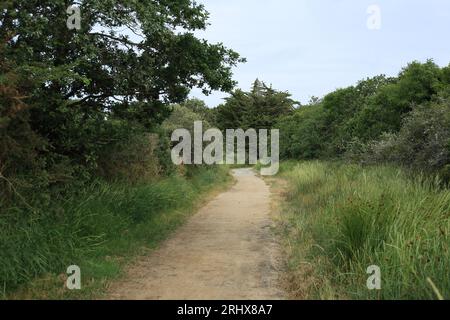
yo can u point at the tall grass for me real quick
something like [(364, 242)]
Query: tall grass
[(96, 229), (340, 219)]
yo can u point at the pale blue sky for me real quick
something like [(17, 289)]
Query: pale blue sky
[(311, 47)]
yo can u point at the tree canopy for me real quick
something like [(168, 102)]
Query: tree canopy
[(76, 91), (257, 109)]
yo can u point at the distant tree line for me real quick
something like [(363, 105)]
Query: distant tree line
[(403, 120)]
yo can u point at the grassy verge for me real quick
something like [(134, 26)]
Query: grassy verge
[(99, 230), (340, 219)]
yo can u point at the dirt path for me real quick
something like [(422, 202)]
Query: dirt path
[(226, 251)]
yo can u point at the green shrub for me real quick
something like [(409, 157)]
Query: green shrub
[(384, 111), (134, 159), (301, 134), (422, 143)]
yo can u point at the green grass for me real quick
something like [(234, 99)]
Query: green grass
[(340, 219), (100, 230)]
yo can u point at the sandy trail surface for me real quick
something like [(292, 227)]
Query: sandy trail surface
[(226, 251)]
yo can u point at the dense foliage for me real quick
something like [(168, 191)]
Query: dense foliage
[(403, 120), (84, 158), (423, 141), (67, 97)]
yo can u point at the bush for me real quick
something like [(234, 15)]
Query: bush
[(423, 142), (132, 160), (384, 111), (302, 134)]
